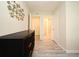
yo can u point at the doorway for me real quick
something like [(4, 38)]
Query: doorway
[(42, 26), (47, 28), (35, 24)]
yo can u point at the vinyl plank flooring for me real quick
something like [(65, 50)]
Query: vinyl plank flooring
[(46, 47)]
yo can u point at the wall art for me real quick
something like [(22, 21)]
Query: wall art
[(15, 10)]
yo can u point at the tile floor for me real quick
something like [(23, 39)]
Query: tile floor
[(49, 48)]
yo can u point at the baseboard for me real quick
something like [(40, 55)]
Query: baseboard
[(60, 45), (67, 51), (72, 51)]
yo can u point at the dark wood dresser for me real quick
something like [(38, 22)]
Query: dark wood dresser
[(18, 44)]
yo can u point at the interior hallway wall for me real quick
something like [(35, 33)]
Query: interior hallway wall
[(66, 26), (72, 27), (59, 23), (10, 25)]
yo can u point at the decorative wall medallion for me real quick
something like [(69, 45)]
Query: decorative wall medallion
[(15, 10)]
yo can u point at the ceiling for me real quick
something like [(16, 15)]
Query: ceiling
[(42, 6)]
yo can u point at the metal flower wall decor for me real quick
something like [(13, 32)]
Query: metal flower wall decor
[(15, 10)]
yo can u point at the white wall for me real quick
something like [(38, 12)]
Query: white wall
[(59, 23), (11, 25), (66, 26), (72, 27), (41, 28)]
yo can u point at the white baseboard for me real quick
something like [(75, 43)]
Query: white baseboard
[(67, 51), (72, 51), (60, 45)]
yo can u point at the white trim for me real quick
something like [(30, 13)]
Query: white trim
[(72, 51), (67, 51), (60, 45)]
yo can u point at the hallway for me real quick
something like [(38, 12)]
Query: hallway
[(46, 48), (56, 20)]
